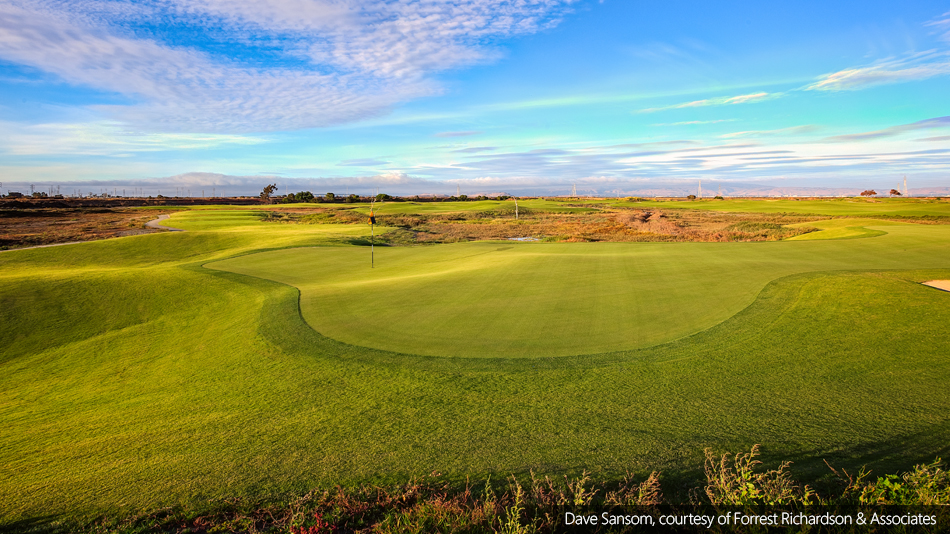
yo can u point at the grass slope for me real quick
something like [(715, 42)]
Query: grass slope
[(132, 378), (543, 300), (844, 229)]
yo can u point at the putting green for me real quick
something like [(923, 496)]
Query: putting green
[(517, 300)]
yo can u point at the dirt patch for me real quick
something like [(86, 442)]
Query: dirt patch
[(939, 284), (21, 228)]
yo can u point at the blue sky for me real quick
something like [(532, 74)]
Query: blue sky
[(523, 96)]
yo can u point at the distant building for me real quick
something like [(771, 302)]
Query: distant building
[(14, 194)]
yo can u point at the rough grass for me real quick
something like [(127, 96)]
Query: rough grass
[(604, 223), (133, 379)]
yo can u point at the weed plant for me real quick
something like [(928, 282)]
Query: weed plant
[(533, 504)]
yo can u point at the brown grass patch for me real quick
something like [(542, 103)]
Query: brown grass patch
[(47, 226), (616, 225)]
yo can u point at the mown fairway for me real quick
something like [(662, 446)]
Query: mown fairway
[(135, 377), (892, 207)]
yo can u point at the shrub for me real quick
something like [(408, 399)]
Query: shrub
[(735, 482), (926, 485)]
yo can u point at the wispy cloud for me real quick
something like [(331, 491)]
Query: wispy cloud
[(794, 130), (690, 123), (942, 24), (338, 60), (624, 167), (457, 134), (718, 101), (104, 139), (920, 66), (928, 124), (474, 149), (365, 162)]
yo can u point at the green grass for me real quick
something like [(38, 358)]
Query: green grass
[(854, 207), (844, 229), (544, 300), (431, 208), (133, 377)]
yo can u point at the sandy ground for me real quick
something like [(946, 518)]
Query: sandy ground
[(154, 224), (939, 284)]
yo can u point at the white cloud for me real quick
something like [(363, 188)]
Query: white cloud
[(793, 130), (914, 67), (103, 139), (893, 131), (361, 57), (690, 123), (942, 24), (719, 101), (389, 38), (458, 134), (859, 78)]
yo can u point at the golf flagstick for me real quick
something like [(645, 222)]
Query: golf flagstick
[(372, 234)]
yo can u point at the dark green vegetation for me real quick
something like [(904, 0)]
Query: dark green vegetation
[(134, 378)]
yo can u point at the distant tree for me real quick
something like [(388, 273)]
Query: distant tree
[(691, 197), (895, 193), (463, 197), (868, 193), (383, 196), (352, 198), (330, 197), (718, 197), (267, 192)]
